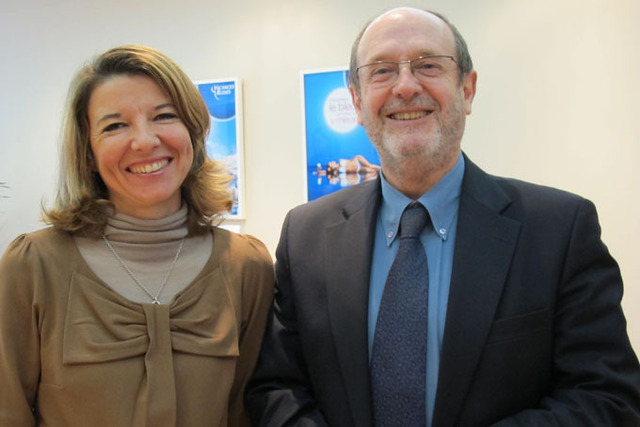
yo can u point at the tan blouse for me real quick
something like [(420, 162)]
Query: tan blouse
[(73, 352)]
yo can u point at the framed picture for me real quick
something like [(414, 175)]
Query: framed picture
[(225, 139), (338, 152)]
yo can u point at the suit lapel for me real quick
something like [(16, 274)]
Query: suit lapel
[(349, 245), (484, 249)]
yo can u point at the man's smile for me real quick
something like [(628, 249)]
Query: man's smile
[(411, 115)]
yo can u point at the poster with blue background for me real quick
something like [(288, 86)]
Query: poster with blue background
[(224, 142), (338, 151)]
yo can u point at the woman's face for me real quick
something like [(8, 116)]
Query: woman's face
[(141, 147)]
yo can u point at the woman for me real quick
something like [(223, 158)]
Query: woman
[(133, 308)]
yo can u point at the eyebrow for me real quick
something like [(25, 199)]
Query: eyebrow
[(107, 117), (382, 57), (117, 115)]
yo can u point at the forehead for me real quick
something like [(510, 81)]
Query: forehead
[(404, 34), (127, 83), (124, 89)]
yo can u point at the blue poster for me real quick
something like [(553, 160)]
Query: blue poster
[(224, 142), (338, 151)]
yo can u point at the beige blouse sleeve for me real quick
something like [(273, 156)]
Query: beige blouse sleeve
[(257, 280), (20, 292)]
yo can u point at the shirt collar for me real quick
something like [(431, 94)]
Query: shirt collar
[(441, 202)]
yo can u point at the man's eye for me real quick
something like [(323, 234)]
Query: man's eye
[(380, 71), (427, 66)]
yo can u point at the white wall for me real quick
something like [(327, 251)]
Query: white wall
[(556, 100)]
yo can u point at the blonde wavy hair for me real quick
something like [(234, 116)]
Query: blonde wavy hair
[(82, 203)]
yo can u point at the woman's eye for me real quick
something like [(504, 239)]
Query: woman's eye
[(166, 116), (112, 127)]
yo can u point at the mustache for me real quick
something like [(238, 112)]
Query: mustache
[(414, 104)]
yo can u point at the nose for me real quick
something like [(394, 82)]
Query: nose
[(406, 85), (144, 137)]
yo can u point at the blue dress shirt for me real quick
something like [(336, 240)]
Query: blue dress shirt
[(442, 203)]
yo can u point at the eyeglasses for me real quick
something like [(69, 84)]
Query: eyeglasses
[(423, 68)]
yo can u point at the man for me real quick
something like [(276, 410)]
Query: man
[(524, 325)]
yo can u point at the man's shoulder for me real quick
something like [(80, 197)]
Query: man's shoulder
[(349, 198), (482, 185), (520, 188), (541, 205)]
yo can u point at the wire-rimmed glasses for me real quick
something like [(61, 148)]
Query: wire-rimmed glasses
[(423, 68)]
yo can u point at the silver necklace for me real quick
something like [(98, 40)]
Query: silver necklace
[(154, 299)]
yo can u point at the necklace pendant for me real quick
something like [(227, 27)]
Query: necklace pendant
[(154, 300)]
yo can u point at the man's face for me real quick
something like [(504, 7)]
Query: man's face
[(410, 118)]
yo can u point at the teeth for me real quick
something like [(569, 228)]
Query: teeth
[(409, 116), (150, 168)]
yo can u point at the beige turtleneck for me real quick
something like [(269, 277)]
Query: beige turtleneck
[(148, 248)]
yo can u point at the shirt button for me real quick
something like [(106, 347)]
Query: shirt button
[(390, 235), (442, 231)]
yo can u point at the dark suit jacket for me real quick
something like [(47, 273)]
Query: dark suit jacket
[(534, 335)]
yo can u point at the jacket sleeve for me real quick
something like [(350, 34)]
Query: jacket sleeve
[(595, 371), (278, 393), (19, 333)]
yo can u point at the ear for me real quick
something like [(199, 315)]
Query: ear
[(357, 102), (469, 90)]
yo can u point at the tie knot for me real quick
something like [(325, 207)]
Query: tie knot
[(414, 218)]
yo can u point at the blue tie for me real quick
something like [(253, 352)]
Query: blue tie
[(398, 360)]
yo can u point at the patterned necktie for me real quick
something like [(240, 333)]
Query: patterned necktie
[(398, 360)]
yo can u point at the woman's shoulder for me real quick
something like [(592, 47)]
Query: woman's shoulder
[(44, 241), (247, 262), (245, 243), (241, 248), (31, 257)]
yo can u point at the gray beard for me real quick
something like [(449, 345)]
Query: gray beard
[(439, 152)]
